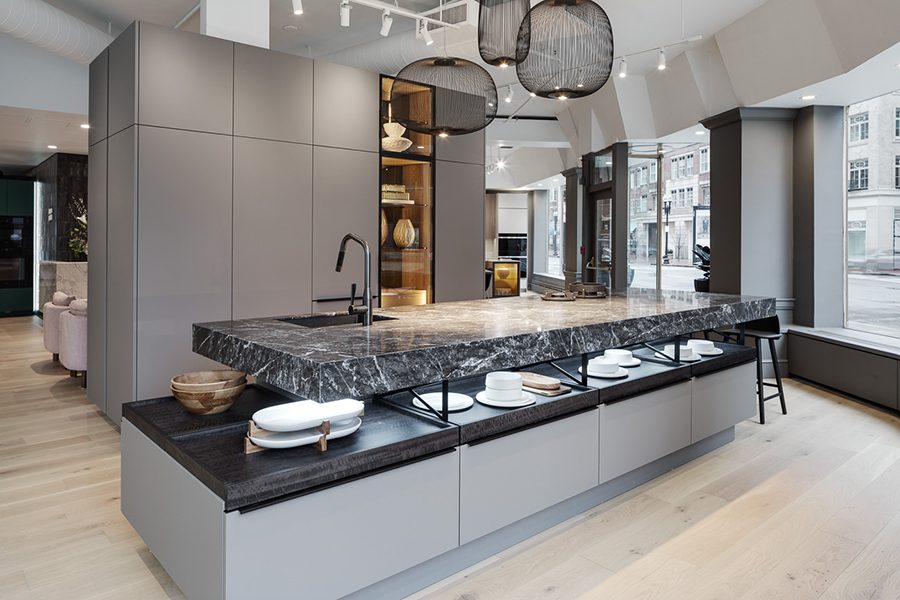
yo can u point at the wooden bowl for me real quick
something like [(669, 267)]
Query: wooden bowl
[(208, 381), (208, 403)]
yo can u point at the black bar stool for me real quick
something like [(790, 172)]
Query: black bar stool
[(762, 329)]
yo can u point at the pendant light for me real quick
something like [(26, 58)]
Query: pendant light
[(564, 49), (498, 30)]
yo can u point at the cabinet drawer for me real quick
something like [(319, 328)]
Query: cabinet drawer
[(722, 400), (333, 542), (639, 430), (515, 476)]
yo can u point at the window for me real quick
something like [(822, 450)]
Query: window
[(859, 175), (644, 173), (704, 160), (653, 168), (704, 195), (674, 168), (690, 196), (897, 172), (651, 207), (556, 218), (859, 127), (897, 122), (642, 205), (634, 178), (689, 165)]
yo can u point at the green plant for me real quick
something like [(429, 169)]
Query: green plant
[(78, 235)]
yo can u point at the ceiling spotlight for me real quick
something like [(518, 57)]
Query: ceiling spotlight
[(700, 132), (504, 65), (52, 147), (85, 126), (345, 13), (298, 6), (661, 60), (808, 97), (423, 28), (623, 68), (443, 134), (562, 97), (386, 22), (501, 164), (533, 95), (509, 94)]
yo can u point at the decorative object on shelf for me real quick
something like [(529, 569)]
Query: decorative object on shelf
[(564, 49), (588, 290), (395, 194), (208, 392), (394, 142), (384, 226), (464, 96), (559, 296), (404, 233), (499, 22)]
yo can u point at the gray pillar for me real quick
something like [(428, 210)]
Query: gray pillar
[(819, 216), (572, 235)]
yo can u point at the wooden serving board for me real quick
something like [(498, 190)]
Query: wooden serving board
[(563, 389), (540, 382)]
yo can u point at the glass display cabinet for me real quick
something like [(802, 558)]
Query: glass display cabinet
[(407, 201)]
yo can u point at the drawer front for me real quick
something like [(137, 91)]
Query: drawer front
[(722, 400), (333, 542), (639, 430), (517, 475)]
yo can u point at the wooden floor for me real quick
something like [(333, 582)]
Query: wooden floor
[(807, 506)]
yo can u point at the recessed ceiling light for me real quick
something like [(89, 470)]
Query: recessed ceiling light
[(808, 97), (85, 126), (298, 7), (700, 132), (52, 147)]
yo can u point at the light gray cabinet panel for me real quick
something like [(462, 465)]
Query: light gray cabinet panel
[(347, 107), (637, 431), (468, 148), (459, 232), (272, 228), (120, 264), (97, 267), (98, 84), (345, 200), (722, 400), (273, 95), (122, 85), (186, 80), (515, 476), (184, 249), (378, 526), (179, 518)]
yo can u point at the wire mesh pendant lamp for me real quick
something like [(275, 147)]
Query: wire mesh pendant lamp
[(444, 96), (498, 29), (564, 49)]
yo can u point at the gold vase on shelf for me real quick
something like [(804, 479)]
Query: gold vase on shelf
[(384, 226), (404, 233)]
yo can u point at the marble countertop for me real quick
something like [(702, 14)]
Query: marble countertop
[(457, 339)]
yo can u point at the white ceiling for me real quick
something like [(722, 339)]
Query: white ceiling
[(26, 134)]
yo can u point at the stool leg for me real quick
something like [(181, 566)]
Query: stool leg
[(56, 357), (777, 368), (73, 373), (760, 391)]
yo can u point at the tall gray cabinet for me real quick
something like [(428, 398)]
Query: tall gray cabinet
[(223, 177)]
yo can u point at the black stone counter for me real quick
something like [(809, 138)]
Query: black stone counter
[(458, 339), (211, 448)]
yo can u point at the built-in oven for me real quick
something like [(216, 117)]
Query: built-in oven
[(514, 246), (16, 252)]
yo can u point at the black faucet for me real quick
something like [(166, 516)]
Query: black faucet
[(361, 309)]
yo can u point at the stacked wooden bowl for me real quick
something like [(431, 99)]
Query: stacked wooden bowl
[(208, 392)]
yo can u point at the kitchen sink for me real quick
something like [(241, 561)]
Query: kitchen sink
[(332, 320)]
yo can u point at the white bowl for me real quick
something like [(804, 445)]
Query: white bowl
[(394, 129), (604, 365), (621, 356), (686, 353), (503, 395), (503, 380), (702, 346), (395, 144)]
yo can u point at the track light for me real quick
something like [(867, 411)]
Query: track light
[(386, 22), (298, 6), (423, 28), (501, 164), (623, 68), (345, 13), (509, 94), (661, 60)]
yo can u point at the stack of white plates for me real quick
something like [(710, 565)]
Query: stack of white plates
[(503, 389), (605, 367), (297, 423), (455, 402)]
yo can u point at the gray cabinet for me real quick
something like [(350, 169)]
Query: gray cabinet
[(721, 400), (345, 200), (97, 99), (459, 232), (468, 148), (122, 85), (510, 478), (186, 80), (120, 277), (184, 249), (97, 267), (272, 228), (289, 551), (639, 430), (272, 95), (347, 113)]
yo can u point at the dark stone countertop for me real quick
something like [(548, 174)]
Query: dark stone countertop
[(211, 448), (458, 339)]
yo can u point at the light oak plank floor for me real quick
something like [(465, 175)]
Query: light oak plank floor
[(804, 507)]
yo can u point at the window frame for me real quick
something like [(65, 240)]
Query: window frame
[(861, 168), (704, 160), (860, 126)]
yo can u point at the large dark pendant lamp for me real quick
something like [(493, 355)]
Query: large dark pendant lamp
[(564, 49), (444, 96), (498, 29)]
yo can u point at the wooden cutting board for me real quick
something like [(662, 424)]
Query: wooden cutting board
[(539, 382)]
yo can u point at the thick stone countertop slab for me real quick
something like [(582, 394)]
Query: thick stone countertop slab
[(458, 339)]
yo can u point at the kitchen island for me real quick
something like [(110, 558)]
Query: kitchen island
[(416, 496)]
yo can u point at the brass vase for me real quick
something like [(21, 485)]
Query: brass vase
[(404, 233)]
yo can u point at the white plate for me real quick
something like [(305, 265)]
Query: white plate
[(715, 352), (292, 439), (305, 414), (455, 402), (634, 362), (683, 359), (527, 399), (617, 375)]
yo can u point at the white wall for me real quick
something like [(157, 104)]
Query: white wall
[(512, 213)]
